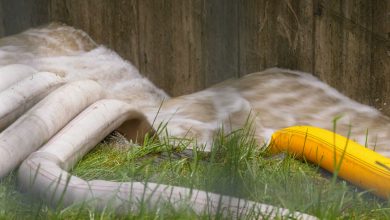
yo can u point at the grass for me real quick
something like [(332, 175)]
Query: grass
[(235, 166)]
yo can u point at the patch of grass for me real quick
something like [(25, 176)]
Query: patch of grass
[(236, 166)]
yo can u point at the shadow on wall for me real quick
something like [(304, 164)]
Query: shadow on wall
[(185, 46), (18, 15)]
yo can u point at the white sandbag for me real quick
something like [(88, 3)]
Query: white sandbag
[(17, 99), (13, 73), (44, 173), (45, 119)]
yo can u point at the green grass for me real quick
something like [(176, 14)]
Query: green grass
[(236, 166)]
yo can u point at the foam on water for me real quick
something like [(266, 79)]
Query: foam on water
[(274, 98)]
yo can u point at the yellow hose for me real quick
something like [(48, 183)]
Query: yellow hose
[(335, 153)]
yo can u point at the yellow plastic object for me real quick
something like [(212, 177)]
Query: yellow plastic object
[(357, 164)]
